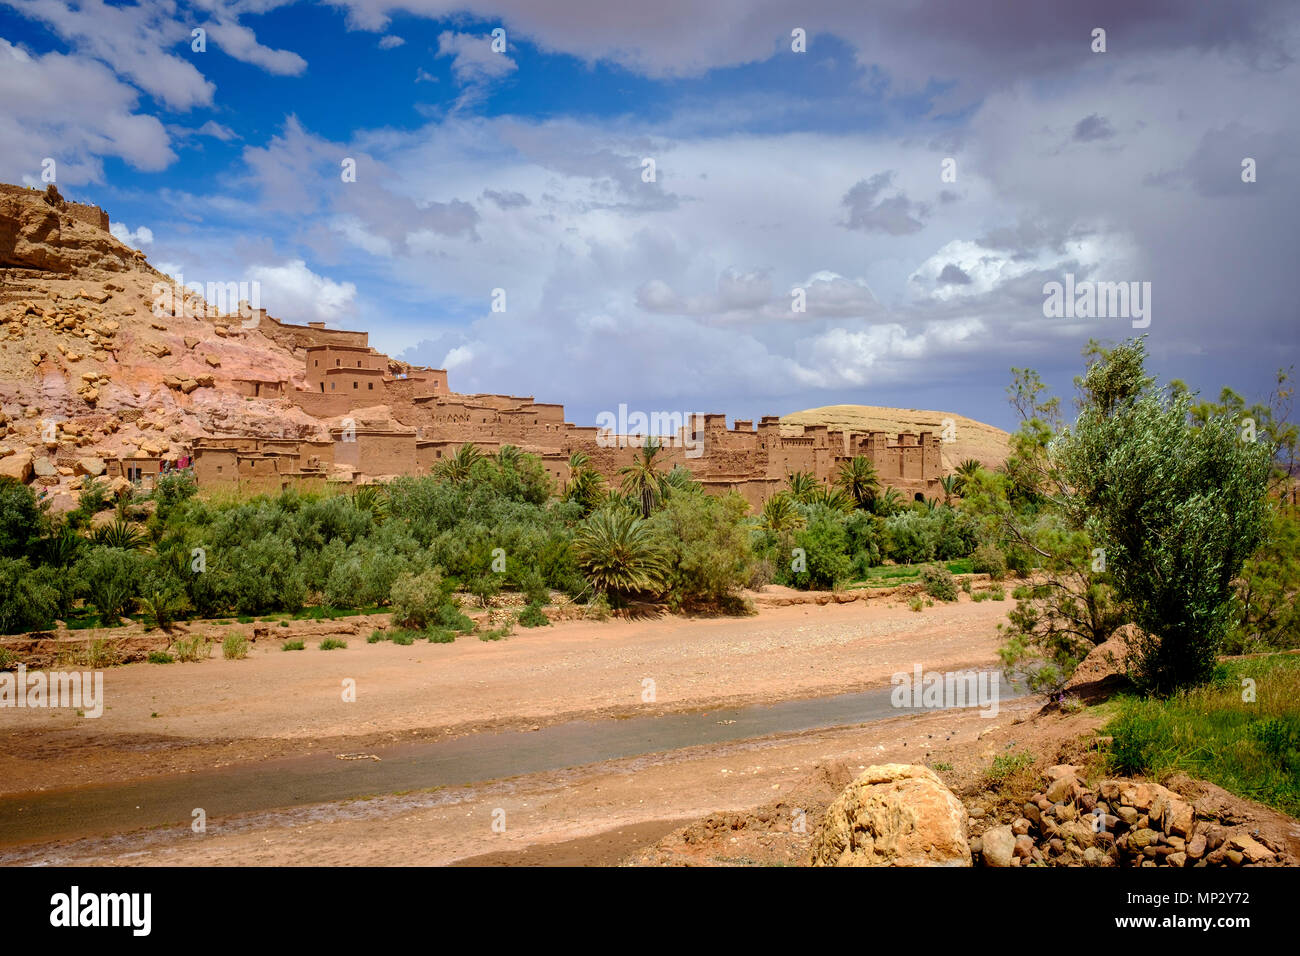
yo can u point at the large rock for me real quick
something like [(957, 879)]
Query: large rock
[(94, 467), (17, 466), (893, 815), (44, 468)]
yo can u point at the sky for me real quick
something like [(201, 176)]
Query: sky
[(605, 202)]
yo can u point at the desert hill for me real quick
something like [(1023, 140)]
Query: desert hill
[(971, 439)]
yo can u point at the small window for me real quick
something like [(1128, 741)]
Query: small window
[(338, 362), (332, 386), (370, 385), (218, 469), (354, 385), (358, 363), (317, 363)]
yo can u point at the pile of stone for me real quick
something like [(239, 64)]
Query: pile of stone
[(1116, 823)]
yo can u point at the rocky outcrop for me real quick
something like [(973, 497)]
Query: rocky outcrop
[(893, 815), (36, 234)]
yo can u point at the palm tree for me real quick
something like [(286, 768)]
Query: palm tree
[(459, 466), (858, 478), (579, 460), (888, 502), (509, 456), (681, 479), (951, 485), (781, 517), (833, 498), (802, 485), (643, 481), (371, 498), (617, 553), (587, 488), (120, 534), (966, 473)]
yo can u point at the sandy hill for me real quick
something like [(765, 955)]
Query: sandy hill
[(971, 439)]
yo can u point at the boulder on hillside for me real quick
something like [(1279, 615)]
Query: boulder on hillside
[(94, 467), (893, 815), (17, 466)]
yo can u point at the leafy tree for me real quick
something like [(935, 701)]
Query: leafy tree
[(108, 578), (1177, 507), (825, 543), (22, 520), (706, 548), (29, 597)]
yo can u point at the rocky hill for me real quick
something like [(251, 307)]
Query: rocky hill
[(88, 370)]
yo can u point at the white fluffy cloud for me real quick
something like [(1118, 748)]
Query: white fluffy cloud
[(292, 289), (138, 239)]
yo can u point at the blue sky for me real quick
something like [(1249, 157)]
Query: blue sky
[(775, 170)]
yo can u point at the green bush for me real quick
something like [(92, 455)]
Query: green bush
[(419, 599), (440, 635), (939, 582), (108, 578), (988, 559), (451, 617), (294, 645), (333, 644), (161, 657), (533, 616), (29, 597)]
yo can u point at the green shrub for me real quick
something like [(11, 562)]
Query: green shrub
[(403, 637), (988, 559), (29, 597), (161, 657), (419, 599), (332, 644), (440, 635), (450, 616), (979, 596), (916, 604), (997, 594), (376, 637), (533, 616), (234, 647), (108, 578), (294, 645), (939, 582)]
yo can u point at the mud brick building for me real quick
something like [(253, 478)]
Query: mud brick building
[(388, 418)]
